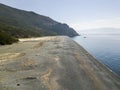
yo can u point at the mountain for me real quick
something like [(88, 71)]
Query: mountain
[(20, 23), (102, 31)]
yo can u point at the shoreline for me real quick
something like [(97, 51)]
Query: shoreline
[(99, 62), (53, 63), (107, 66), (110, 70)]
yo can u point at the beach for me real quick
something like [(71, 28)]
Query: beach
[(52, 63)]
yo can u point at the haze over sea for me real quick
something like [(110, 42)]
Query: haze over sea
[(104, 45)]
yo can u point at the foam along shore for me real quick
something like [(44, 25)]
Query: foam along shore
[(52, 63)]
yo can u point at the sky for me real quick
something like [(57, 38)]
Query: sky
[(79, 14)]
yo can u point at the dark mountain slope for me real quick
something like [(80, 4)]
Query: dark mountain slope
[(20, 23)]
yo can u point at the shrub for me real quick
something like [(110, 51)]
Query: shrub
[(6, 38)]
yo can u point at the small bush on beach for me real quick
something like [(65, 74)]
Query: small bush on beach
[(6, 38)]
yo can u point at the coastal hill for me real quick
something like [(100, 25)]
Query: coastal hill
[(52, 63), (20, 23)]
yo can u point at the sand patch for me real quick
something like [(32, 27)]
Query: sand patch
[(10, 56), (40, 44), (46, 79)]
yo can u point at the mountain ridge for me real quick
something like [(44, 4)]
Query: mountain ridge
[(21, 23)]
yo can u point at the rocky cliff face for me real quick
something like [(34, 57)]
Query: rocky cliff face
[(63, 29), (22, 23)]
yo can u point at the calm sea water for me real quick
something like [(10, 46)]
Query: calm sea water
[(104, 47)]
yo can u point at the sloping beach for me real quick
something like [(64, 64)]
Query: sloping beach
[(52, 63)]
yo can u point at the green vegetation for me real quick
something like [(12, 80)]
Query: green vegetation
[(24, 32), (6, 38), (23, 24)]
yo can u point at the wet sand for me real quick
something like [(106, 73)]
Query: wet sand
[(52, 63)]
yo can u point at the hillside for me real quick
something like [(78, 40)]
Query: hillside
[(20, 23)]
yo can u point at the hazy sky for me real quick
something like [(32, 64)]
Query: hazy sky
[(80, 14)]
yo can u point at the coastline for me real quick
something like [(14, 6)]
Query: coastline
[(98, 61), (53, 63), (102, 51)]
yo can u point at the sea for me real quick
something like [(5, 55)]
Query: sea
[(104, 46)]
